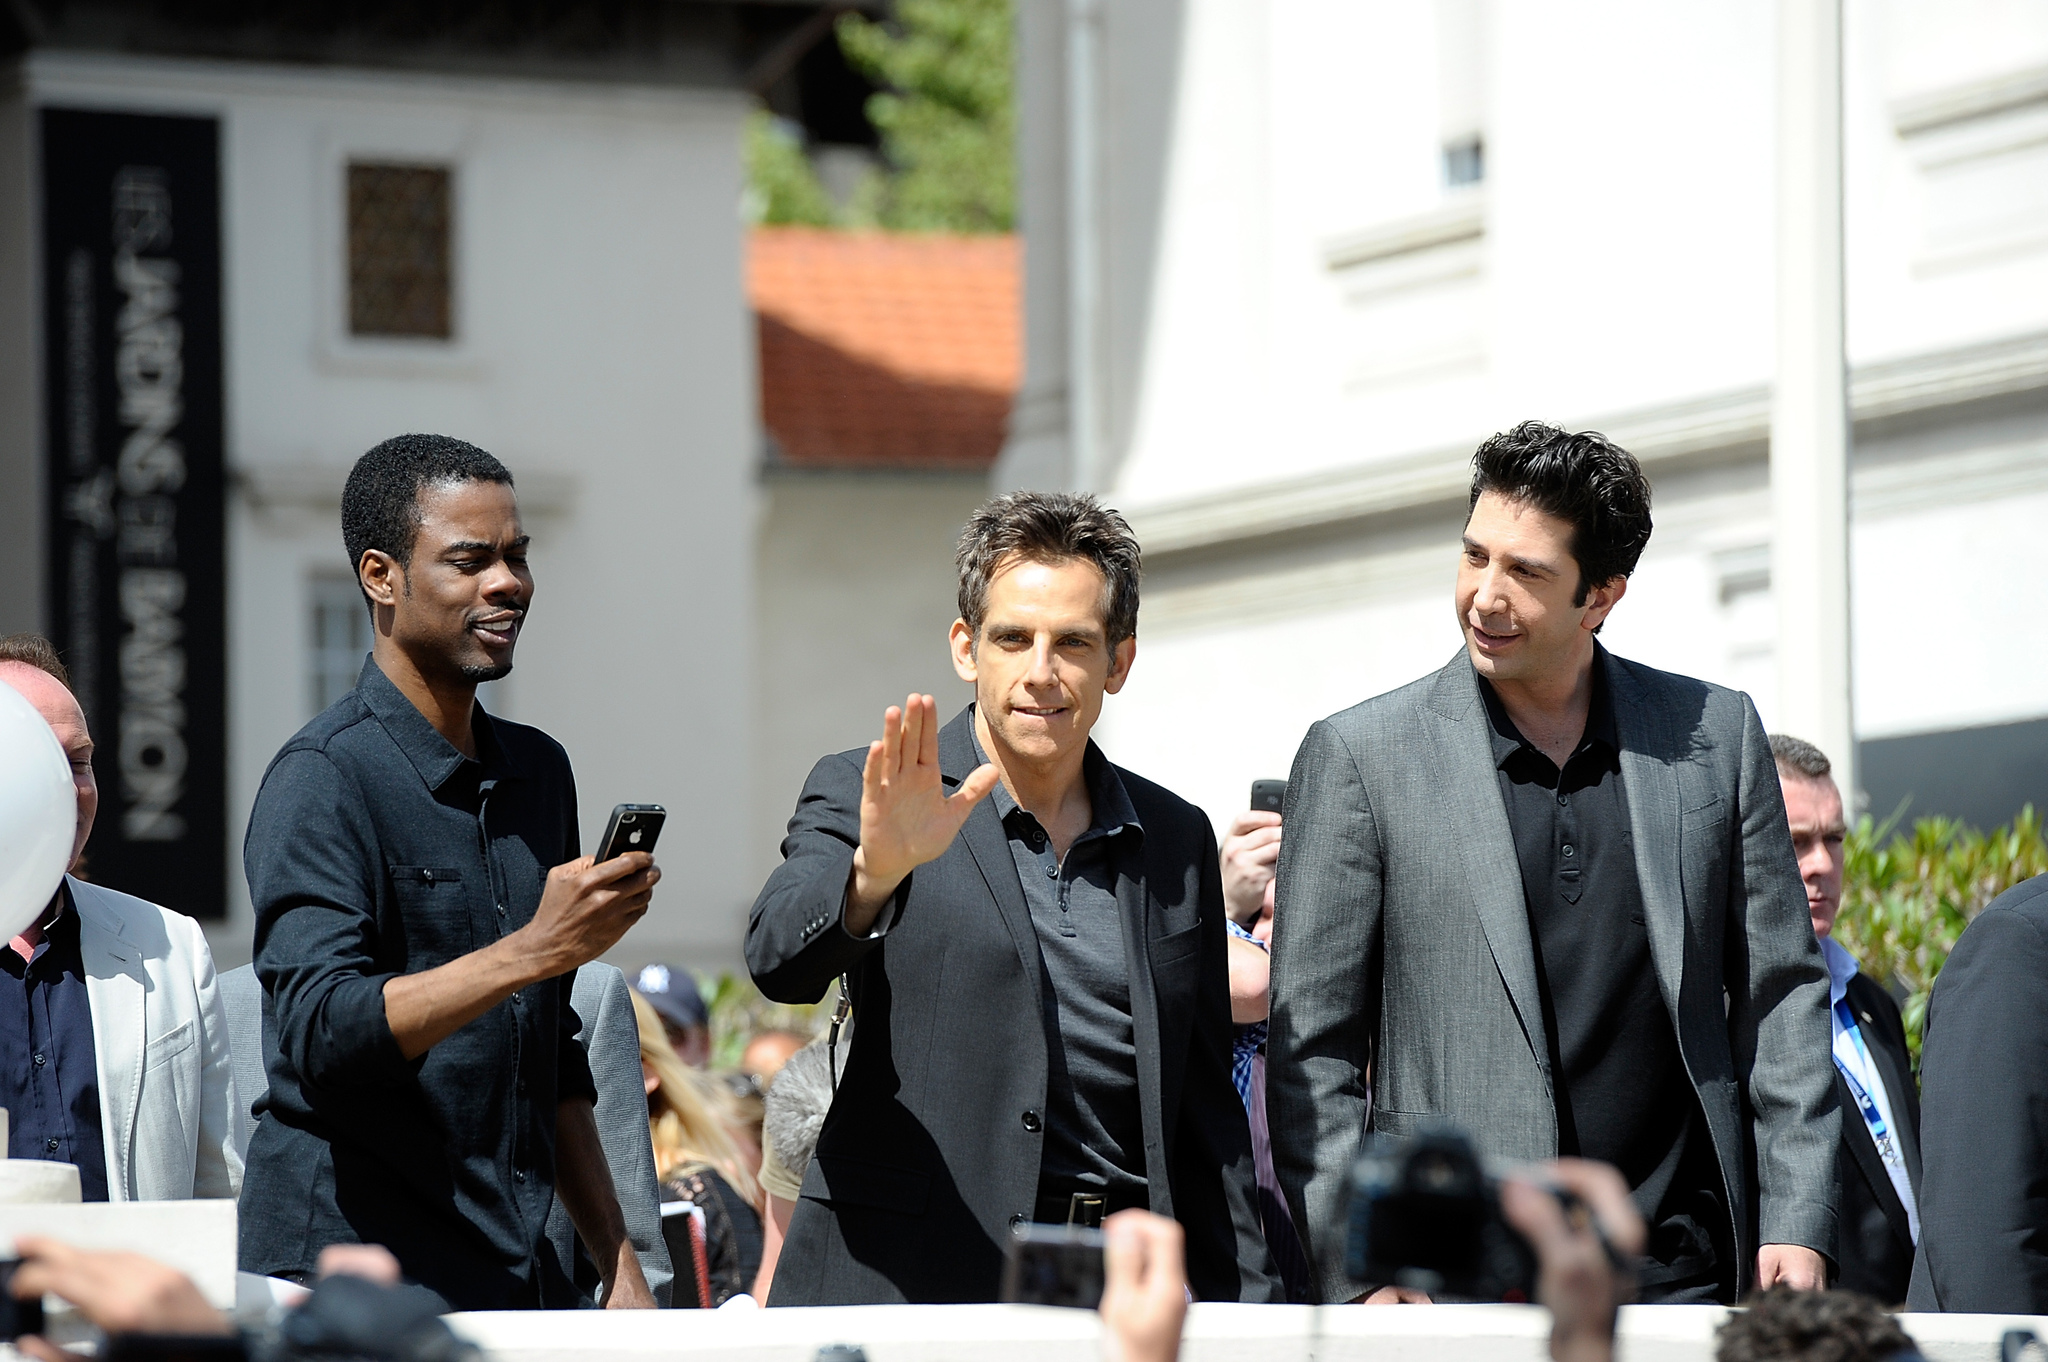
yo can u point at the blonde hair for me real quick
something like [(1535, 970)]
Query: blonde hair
[(686, 1118)]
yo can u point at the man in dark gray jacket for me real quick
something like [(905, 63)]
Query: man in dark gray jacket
[(1035, 942), (1549, 895), (1984, 1117)]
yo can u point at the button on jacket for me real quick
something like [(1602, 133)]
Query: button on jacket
[(377, 849)]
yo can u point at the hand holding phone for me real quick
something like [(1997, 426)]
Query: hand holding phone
[(633, 827)]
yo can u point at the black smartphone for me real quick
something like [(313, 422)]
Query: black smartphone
[(17, 1317), (633, 827), (1054, 1265), (1269, 796)]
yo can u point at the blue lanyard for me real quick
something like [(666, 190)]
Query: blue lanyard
[(1865, 1103)]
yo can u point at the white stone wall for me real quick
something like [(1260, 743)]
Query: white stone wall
[(603, 352), (1329, 328)]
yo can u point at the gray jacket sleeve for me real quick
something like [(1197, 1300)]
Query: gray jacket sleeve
[(1325, 1013), (611, 1038), (1778, 1016)]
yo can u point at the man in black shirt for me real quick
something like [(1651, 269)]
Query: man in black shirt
[(421, 908), (1622, 1095)]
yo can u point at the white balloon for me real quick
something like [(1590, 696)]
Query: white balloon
[(38, 813)]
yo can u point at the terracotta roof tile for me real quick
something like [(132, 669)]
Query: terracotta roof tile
[(882, 349)]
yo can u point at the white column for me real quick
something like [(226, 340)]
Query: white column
[(1810, 413), (1084, 245)]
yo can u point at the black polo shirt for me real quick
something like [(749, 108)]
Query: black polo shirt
[(1619, 1080), (49, 1063), (377, 849), (1094, 1135)]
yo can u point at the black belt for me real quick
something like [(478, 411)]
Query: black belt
[(1087, 1209)]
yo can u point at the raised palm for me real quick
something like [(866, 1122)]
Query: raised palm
[(906, 816)]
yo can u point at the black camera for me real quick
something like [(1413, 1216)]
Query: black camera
[(1422, 1213), (17, 1317)]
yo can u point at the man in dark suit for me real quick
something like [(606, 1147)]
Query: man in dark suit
[(1879, 1165), (1984, 1132), (1547, 894), (1035, 944)]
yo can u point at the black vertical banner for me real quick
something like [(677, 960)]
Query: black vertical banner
[(137, 567)]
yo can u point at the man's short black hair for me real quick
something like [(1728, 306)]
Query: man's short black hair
[(1585, 479), (1783, 1325), (1052, 528), (380, 506)]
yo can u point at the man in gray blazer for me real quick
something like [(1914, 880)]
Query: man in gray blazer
[(1548, 895)]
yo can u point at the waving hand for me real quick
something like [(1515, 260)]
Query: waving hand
[(906, 816)]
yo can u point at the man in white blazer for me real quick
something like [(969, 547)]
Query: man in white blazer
[(136, 1087)]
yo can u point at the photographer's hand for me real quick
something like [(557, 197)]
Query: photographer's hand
[(1144, 1287), (122, 1293), (1577, 1279)]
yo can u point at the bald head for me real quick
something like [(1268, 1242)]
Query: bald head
[(59, 708)]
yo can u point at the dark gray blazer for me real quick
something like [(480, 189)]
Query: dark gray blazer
[(931, 1149), (1402, 942), (610, 1037), (1984, 1117), (1876, 1256)]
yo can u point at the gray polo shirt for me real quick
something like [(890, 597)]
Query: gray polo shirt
[(1094, 1136)]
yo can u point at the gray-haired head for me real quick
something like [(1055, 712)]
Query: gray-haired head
[(797, 1102), (1797, 756), (1051, 528)]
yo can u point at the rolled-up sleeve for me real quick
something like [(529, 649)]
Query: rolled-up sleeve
[(309, 856)]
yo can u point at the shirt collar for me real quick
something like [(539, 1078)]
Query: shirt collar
[(1600, 726), (433, 756), (1108, 800), (1841, 968)]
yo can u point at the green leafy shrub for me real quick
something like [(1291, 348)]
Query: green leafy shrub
[(1907, 897), (782, 188)]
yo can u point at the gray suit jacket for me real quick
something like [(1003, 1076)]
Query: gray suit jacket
[(611, 1039), (1402, 942), (241, 998)]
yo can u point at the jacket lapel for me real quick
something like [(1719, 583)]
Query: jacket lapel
[(1651, 786), (1463, 750), (1134, 906), (989, 846), (115, 990)]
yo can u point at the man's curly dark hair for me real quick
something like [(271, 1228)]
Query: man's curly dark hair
[(1783, 1325), (1585, 479)]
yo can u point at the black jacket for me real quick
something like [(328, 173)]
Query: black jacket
[(1876, 1245), (931, 1150), (1984, 1125)]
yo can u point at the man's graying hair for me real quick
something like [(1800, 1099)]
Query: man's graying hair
[(1800, 757), (1051, 528)]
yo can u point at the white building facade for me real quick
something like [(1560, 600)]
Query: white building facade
[(593, 334), (1288, 264)]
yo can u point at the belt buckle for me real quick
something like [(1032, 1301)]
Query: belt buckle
[(1084, 1209)]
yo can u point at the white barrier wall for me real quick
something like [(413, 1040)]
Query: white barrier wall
[(1214, 1333)]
